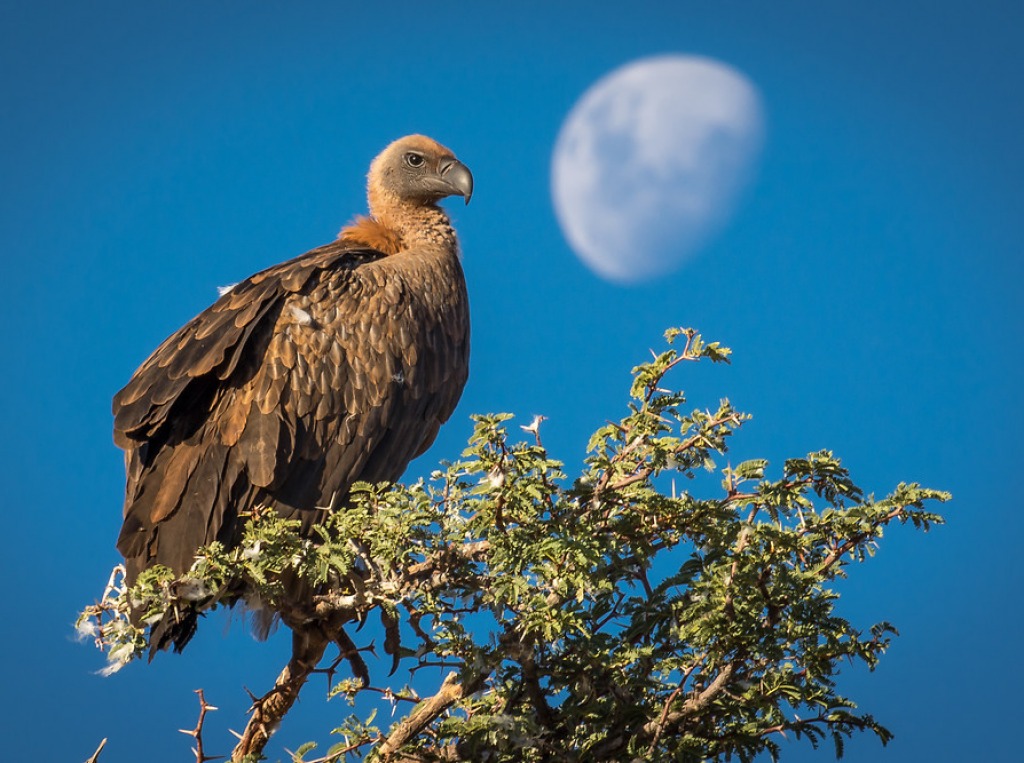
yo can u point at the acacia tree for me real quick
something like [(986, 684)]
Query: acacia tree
[(603, 618)]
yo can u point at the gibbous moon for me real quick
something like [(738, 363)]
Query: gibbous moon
[(650, 163)]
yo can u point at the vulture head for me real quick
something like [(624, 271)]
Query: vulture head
[(417, 170)]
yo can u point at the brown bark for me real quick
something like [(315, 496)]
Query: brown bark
[(308, 647), (451, 691)]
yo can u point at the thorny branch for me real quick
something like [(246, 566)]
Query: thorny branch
[(308, 648), (663, 720), (197, 732), (838, 552), (451, 691)]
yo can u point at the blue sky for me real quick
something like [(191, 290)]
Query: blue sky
[(868, 286)]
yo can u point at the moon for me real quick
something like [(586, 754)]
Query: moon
[(651, 161)]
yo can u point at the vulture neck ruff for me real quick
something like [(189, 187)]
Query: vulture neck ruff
[(398, 225)]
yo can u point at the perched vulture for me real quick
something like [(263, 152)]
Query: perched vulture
[(339, 365)]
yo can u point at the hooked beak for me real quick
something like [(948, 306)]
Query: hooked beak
[(457, 178)]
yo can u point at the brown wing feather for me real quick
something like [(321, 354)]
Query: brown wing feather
[(364, 402), (334, 367)]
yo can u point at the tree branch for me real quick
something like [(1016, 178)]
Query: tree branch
[(197, 732), (308, 646), (694, 704), (451, 691), (838, 552)]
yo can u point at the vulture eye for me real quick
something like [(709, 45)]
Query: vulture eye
[(414, 160)]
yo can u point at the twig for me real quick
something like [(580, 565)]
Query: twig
[(664, 718), (741, 544), (645, 472), (841, 549), (395, 696), (472, 551), (96, 755), (197, 732)]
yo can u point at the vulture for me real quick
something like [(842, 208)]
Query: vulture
[(334, 367)]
